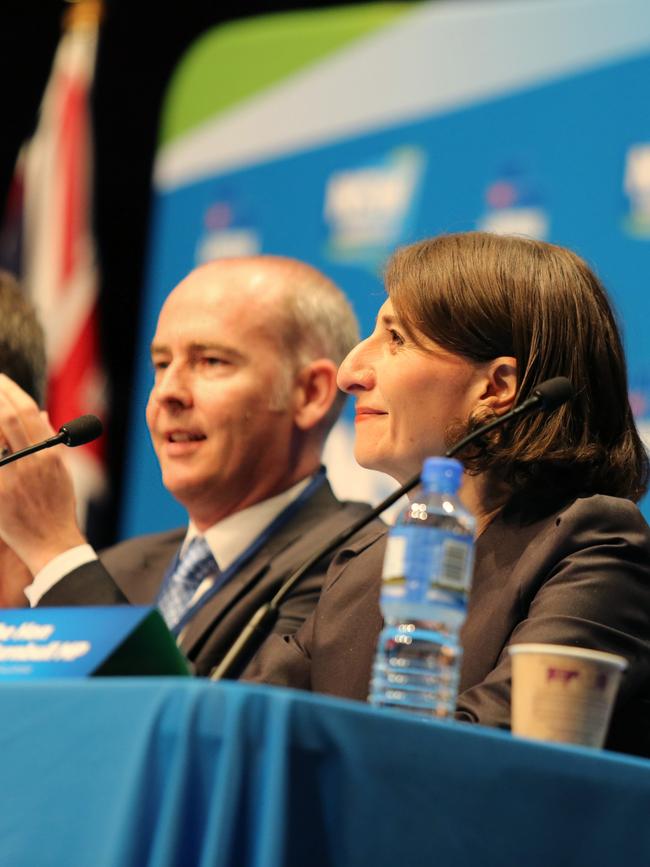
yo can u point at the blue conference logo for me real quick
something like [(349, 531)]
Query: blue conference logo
[(227, 231), (636, 185), (513, 203), (369, 209), (639, 395)]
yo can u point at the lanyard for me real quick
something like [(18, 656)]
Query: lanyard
[(279, 521)]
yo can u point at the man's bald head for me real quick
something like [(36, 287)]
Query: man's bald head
[(309, 314)]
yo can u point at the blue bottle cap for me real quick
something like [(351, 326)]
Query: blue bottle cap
[(442, 475)]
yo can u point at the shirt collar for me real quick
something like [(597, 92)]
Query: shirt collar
[(230, 537)]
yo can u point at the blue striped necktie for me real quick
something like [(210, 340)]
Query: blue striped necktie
[(196, 564)]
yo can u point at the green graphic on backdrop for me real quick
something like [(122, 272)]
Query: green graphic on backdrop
[(234, 61)]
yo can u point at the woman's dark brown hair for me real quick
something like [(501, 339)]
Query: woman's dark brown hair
[(482, 296)]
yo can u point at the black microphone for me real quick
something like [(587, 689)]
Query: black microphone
[(73, 433), (79, 431), (546, 397)]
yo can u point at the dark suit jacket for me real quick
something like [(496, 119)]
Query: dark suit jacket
[(133, 571), (578, 576)]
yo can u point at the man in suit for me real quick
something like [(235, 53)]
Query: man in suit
[(245, 357)]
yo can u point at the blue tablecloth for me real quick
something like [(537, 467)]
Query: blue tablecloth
[(132, 773)]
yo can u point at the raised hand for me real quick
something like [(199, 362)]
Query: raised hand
[(37, 503)]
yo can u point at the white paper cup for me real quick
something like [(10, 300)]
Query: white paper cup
[(562, 693)]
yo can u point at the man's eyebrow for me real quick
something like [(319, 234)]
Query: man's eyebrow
[(215, 346), (203, 346)]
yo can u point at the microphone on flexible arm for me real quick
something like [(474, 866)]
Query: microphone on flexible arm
[(73, 433), (546, 397)]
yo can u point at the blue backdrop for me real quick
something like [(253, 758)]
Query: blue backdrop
[(565, 157)]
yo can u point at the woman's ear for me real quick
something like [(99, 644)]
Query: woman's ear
[(501, 385), (315, 391)]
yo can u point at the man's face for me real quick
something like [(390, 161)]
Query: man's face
[(220, 410)]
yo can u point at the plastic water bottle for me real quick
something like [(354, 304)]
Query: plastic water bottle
[(426, 579)]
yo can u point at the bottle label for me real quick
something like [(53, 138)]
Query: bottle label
[(393, 576), (420, 562)]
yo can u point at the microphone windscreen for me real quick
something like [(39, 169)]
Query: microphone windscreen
[(554, 392), (81, 430)]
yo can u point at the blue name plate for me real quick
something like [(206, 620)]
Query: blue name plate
[(79, 642)]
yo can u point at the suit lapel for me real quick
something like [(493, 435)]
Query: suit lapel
[(263, 565), (215, 608), (495, 602)]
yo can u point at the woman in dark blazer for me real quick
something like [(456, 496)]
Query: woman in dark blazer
[(472, 324)]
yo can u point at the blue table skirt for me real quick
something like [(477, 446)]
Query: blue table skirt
[(131, 773)]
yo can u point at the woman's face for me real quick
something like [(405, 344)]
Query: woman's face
[(407, 395)]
